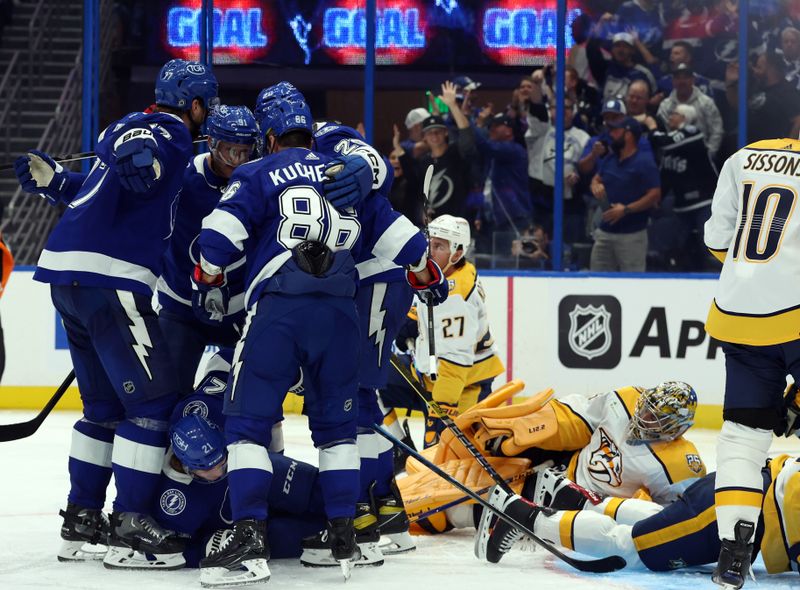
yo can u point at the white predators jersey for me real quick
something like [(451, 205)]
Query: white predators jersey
[(755, 228), (610, 466), (461, 325)]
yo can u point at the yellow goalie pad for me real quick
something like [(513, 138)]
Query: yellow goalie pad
[(424, 491)]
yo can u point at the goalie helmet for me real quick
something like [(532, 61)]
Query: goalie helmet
[(180, 82), (662, 413), (453, 229), (197, 443)]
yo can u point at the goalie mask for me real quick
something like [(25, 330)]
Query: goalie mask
[(662, 413)]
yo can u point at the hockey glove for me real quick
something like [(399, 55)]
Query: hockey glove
[(209, 300), (349, 181), (791, 419), (137, 167), (436, 290), (38, 173)]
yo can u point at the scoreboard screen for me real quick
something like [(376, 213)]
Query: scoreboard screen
[(418, 33)]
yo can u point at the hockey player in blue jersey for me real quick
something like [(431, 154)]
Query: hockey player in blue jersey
[(232, 135), (300, 289), (102, 260)]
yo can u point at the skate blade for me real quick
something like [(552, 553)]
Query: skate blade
[(125, 558), (370, 556), (397, 543), (346, 566), (252, 571), (78, 551)]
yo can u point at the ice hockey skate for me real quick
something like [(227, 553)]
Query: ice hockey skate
[(139, 542), (237, 557), (339, 544), (735, 557), (393, 523), (494, 537), (84, 533)]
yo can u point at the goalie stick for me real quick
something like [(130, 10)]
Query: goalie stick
[(598, 566), (10, 432)]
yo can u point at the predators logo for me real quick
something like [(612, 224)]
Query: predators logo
[(605, 462), (695, 464)]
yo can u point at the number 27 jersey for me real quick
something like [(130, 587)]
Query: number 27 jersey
[(755, 228)]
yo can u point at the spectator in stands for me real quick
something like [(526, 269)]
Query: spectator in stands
[(406, 192), (641, 18), (680, 53), (542, 133), (790, 49), (518, 108), (532, 248), (688, 179), (587, 101), (627, 186), (506, 187), (414, 144), (774, 109), (451, 166), (617, 74), (636, 102), (709, 120)]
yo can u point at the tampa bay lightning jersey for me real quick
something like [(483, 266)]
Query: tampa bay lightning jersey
[(333, 139), (202, 189), (113, 238), (275, 203)]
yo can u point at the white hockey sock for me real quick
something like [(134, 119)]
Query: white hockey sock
[(738, 487), (625, 510), (589, 533), (392, 423)]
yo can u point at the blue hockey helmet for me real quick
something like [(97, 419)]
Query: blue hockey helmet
[(180, 81), (232, 124), (284, 116), (197, 443), (281, 90)]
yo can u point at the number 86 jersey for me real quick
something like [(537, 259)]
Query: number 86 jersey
[(755, 229)]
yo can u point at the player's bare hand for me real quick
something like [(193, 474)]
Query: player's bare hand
[(448, 95), (396, 137), (598, 189), (599, 149), (614, 213)]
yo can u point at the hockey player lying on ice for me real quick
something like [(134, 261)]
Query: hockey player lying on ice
[(621, 444), (679, 535)]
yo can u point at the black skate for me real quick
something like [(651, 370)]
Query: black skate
[(339, 545), (393, 522), (495, 537), (553, 489), (139, 542), (84, 533), (734, 557), (399, 455), (237, 557)]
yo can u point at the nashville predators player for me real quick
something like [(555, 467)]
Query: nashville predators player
[(468, 360), (626, 443), (756, 315), (682, 534)]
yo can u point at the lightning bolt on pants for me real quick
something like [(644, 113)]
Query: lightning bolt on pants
[(128, 390)]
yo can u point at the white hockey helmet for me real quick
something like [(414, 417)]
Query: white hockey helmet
[(453, 229)]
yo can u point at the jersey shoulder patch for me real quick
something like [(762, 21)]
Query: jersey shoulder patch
[(463, 281), (680, 459)]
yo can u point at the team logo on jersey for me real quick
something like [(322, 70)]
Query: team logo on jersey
[(230, 190), (589, 331), (695, 463), (173, 502), (605, 462), (196, 407)]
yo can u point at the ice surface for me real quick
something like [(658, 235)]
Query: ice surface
[(35, 483)]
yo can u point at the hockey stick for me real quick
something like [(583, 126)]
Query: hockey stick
[(77, 157), (24, 429), (598, 566), (414, 517), (426, 188)]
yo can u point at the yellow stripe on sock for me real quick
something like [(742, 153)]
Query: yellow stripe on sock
[(390, 418), (613, 506), (675, 531), (565, 529), (739, 498)]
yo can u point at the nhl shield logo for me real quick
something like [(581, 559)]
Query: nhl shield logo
[(589, 331)]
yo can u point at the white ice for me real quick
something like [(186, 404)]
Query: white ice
[(35, 483)]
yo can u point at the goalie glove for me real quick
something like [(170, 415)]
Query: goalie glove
[(38, 173), (137, 167), (209, 300), (435, 291), (790, 424)]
